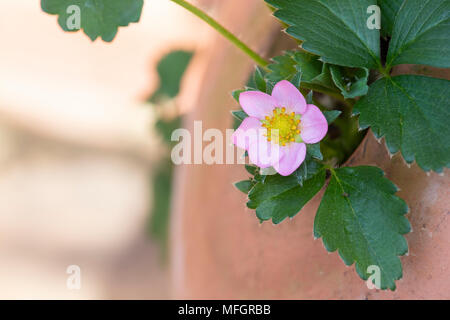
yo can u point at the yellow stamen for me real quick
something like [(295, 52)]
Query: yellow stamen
[(285, 126)]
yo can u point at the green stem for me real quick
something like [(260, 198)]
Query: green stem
[(227, 34), (238, 43)]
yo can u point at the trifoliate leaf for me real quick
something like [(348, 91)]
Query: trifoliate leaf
[(98, 18), (412, 113), (351, 82), (335, 30), (421, 34), (362, 218), (280, 197), (389, 9)]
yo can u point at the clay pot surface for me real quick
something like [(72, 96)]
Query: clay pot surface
[(219, 250)]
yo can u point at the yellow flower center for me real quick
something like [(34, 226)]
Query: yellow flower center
[(282, 127)]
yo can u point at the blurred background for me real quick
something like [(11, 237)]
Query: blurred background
[(86, 179), (81, 150)]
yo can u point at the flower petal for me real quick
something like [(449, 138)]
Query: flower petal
[(294, 155), (257, 104), (288, 96), (243, 135), (263, 153), (314, 125)]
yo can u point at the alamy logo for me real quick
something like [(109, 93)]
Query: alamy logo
[(74, 280), (374, 21), (220, 149), (74, 20), (374, 281)]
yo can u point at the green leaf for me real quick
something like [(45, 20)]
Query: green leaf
[(421, 34), (307, 169), (253, 170), (332, 115), (309, 97), (160, 211), (412, 113), (171, 69), (165, 127), (351, 82), (362, 218), (258, 77), (162, 185), (244, 186), (343, 136), (249, 87), (239, 114), (270, 86), (314, 73), (236, 94), (297, 79), (251, 205), (314, 150), (280, 197), (335, 30), (98, 18), (309, 64), (259, 177), (389, 9), (282, 68), (323, 79)]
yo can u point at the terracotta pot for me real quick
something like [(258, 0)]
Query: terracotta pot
[(220, 250)]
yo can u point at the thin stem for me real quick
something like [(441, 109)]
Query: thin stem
[(227, 34), (238, 43)]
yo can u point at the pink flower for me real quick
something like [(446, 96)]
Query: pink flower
[(278, 127)]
